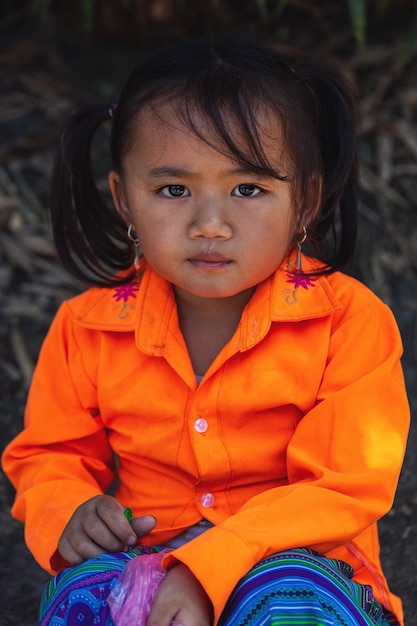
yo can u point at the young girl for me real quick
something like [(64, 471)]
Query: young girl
[(246, 397)]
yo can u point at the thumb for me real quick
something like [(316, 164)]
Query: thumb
[(143, 525)]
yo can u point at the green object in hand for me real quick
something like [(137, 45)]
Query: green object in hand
[(128, 513)]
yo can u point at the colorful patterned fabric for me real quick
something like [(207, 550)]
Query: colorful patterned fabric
[(77, 596), (300, 587), (291, 588)]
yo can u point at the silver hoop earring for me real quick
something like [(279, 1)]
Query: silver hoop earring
[(136, 245), (299, 244)]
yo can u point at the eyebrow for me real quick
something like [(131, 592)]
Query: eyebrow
[(168, 171), (178, 172)]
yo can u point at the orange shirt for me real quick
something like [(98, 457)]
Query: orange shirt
[(294, 437)]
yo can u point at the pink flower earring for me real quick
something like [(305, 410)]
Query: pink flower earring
[(136, 245), (297, 276)]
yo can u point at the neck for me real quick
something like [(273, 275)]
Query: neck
[(208, 324)]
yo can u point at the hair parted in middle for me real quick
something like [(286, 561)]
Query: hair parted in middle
[(216, 81)]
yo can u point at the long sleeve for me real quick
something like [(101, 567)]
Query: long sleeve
[(62, 457), (343, 461)]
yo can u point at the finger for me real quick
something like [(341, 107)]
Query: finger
[(143, 525), (110, 512), (162, 618), (103, 536), (76, 553)]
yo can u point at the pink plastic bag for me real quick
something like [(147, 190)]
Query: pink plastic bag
[(132, 596)]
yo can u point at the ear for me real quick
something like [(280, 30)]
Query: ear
[(119, 196)]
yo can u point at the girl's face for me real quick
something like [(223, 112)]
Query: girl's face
[(210, 227)]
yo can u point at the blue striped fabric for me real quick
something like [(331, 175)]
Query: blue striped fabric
[(301, 587)]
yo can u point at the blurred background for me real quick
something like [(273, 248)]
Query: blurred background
[(57, 56)]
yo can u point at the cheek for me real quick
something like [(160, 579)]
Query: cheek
[(149, 227), (157, 240), (277, 245), (275, 234)]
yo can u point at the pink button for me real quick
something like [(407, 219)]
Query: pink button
[(200, 425), (207, 500)]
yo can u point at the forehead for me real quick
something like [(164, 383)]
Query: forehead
[(252, 138)]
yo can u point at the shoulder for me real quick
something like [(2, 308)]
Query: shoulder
[(103, 308), (82, 302), (349, 291), (354, 297), (361, 311)]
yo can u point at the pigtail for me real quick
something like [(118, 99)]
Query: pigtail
[(90, 237), (336, 106)]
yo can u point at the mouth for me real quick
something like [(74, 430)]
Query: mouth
[(210, 260)]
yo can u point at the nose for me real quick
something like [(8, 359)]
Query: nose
[(210, 219)]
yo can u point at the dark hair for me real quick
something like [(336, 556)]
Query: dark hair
[(217, 79)]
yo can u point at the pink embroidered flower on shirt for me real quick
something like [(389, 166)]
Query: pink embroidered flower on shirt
[(124, 292), (300, 279)]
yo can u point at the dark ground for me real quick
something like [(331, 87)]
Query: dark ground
[(42, 79)]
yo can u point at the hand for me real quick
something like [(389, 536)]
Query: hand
[(98, 526), (182, 599)]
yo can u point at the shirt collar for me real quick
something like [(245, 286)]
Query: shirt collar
[(147, 305)]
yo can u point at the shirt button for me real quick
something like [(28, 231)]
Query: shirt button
[(200, 425), (207, 500)]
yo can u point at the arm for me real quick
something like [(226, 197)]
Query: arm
[(62, 458), (343, 461)]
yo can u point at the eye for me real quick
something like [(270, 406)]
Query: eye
[(174, 191), (246, 190)]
